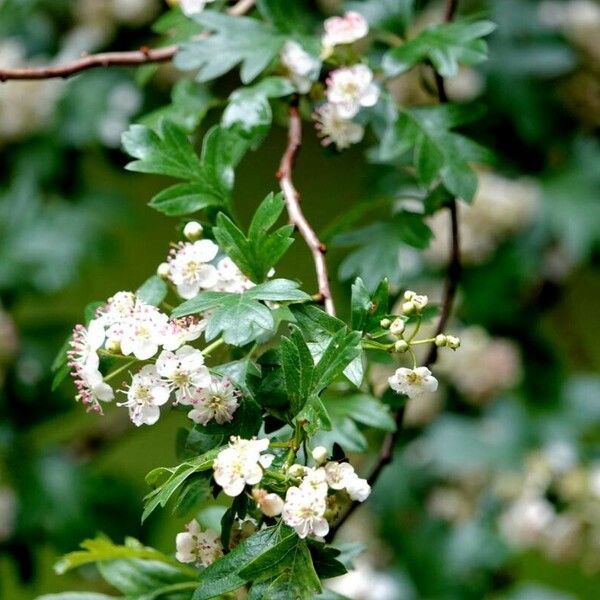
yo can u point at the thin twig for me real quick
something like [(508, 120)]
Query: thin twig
[(297, 218), (143, 56), (452, 280)]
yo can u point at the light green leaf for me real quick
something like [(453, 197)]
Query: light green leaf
[(153, 290), (234, 40)]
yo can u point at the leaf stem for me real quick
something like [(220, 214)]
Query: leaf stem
[(120, 369), (216, 344)]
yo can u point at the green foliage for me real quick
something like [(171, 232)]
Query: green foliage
[(153, 291), (445, 45), (168, 151), (249, 108), (242, 318), (258, 251), (234, 40), (388, 15), (368, 310)]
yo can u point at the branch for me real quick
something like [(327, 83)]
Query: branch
[(453, 273), (297, 218), (143, 56)]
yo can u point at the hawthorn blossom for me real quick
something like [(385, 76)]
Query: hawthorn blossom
[(350, 88), (189, 268), (92, 389), (302, 68), (193, 7), (145, 395), (341, 476), (184, 371), (241, 464), (84, 345), (179, 331), (197, 546), (334, 129), (142, 331), (270, 504), (304, 510), (343, 30), (315, 481), (230, 278), (413, 382), (217, 400)]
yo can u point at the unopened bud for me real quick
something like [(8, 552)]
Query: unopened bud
[(163, 270), (296, 470), (385, 323), (401, 346), (113, 346), (270, 504), (397, 327), (408, 307), (409, 295), (193, 231), (420, 302), (441, 340), (320, 454), (453, 342)]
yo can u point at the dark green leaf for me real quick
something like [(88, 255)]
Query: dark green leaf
[(314, 416), (234, 40), (445, 45), (184, 199), (153, 290), (342, 349), (298, 366)]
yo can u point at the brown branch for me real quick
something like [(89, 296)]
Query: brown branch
[(297, 218), (143, 56), (452, 280)]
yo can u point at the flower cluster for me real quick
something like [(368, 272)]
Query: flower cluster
[(501, 208), (306, 504), (198, 547)]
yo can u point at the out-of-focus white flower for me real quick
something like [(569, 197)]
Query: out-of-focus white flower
[(358, 489), (145, 395), (185, 372), (343, 30), (350, 88), (302, 67), (483, 367), (270, 504), (241, 464), (218, 400), (501, 208), (304, 510), (197, 546), (341, 476), (190, 271), (525, 521), (334, 129), (365, 583), (134, 12), (413, 382), (193, 7), (594, 480)]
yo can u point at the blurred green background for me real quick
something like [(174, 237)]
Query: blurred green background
[(75, 228)]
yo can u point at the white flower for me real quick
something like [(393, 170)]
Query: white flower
[(185, 372), (193, 230), (85, 343), (218, 400), (413, 382), (240, 464), (315, 481), (193, 7), (179, 331), (334, 129), (351, 88), (230, 278), (343, 30), (303, 68), (189, 269), (341, 476), (526, 520), (304, 510), (320, 454), (142, 331), (145, 395), (92, 389), (270, 504), (197, 546)]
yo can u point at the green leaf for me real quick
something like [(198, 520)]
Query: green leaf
[(367, 310), (380, 246), (193, 492), (288, 17), (297, 578), (325, 560), (249, 107), (153, 290), (256, 253), (298, 366), (241, 318), (77, 596), (176, 476), (184, 199), (445, 45), (389, 15), (245, 562), (164, 151), (342, 349), (102, 549), (314, 416), (361, 408), (234, 40)]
